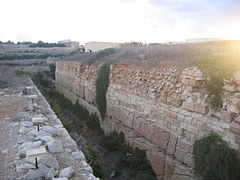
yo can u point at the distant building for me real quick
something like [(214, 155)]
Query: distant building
[(173, 42), (97, 46), (69, 43), (199, 40)]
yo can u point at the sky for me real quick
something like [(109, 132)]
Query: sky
[(118, 20)]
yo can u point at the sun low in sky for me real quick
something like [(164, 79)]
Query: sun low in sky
[(118, 20)]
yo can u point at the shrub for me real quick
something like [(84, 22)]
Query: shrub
[(137, 162), (94, 159), (113, 141), (217, 68), (52, 68), (101, 54), (102, 83), (80, 111), (93, 122), (23, 73), (214, 160)]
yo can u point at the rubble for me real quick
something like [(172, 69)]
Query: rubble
[(40, 154)]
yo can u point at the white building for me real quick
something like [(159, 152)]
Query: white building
[(97, 46)]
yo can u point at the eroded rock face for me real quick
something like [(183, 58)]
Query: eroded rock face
[(162, 111)]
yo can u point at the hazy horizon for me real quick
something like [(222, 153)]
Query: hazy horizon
[(149, 21)]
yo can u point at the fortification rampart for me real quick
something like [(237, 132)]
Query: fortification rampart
[(161, 111)]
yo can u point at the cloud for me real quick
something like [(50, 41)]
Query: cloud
[(118, 20)]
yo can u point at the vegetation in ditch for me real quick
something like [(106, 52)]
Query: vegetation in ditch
[(52, 68), (129, 160), (93, 157), (214, 160), (217, 68), (102, 83), (114, 141), (134, 160)]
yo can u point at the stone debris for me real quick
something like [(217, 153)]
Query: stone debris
[(51, 147), (66, 172), (78, 156), (55, 146), (5, 151), (49, 161), (30, 145), (62, 178)]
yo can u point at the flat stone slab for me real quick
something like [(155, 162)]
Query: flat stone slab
[(33, 96), (36, 153), (39, 119)]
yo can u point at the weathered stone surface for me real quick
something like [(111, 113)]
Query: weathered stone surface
[(235, 128), (51, 174), (49, 161), (35, 133), (229, 88), (180, 154), (24, 167), (78, 156), (55, 146), (27, 124), (202, 109), (66, 172), (31, 145), (188, 106), (23, 130), (37, 174), (44, 139), (171, 147), (160, 137), (49, 129), (157, 160), (233, 108), (228, 116)]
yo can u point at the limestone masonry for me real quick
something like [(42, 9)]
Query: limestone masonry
[(162, 111), (24, 143)]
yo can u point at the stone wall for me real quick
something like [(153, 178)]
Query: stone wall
[(34, 143), (162, 111)]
